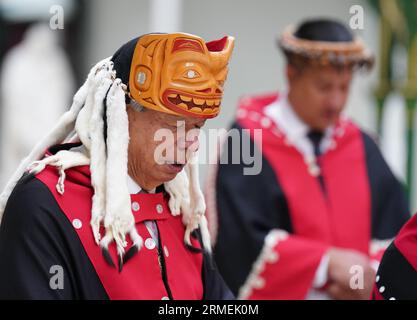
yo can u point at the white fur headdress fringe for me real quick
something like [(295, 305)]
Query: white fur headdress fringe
[(111, 200), (62, 129)]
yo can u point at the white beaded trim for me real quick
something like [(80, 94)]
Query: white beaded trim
[(267, 256), (378, 245), (382, 288)]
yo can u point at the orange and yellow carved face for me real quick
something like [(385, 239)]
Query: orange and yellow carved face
[(180, 74)]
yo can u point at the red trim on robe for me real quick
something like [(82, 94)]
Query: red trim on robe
[(406, 241), (298, 259), (141, 276), (375, 295), (344, 220), (378, 255), (406, 244)]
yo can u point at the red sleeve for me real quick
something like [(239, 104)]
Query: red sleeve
[(285, 269)]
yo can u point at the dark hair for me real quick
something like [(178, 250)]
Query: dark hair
[(323, 30), (122, 60)]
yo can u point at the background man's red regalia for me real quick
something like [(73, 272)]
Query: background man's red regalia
[(325, 199)]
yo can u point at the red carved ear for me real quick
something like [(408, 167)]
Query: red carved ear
[(216, 45), (187, 44)]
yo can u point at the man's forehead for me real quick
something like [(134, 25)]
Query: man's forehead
[(331, 69)]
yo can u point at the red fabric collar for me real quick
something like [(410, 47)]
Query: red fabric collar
[(145, 206), (406, 241), (141, 276), (148, 206)]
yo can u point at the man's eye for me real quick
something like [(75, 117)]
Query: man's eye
[(191, 74)]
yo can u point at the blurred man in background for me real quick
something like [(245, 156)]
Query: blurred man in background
[(312, 224)]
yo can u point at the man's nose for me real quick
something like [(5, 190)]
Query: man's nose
[(336, 101), (191, 143)]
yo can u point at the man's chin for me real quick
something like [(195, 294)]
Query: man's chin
[(326, 123)]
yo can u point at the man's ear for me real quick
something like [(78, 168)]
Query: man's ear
[(292, 72)]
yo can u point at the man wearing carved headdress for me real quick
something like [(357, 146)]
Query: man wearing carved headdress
[(108, 205), (312, 223)]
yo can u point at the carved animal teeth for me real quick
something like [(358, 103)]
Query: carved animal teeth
[(172, 95), (210, 102), (183, 106), (208, 111), (198, 102), (196, 109), (185, 98)]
